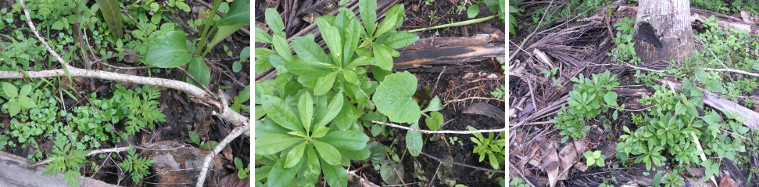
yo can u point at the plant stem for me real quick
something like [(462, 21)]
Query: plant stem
[(208, 23), (462, 23)]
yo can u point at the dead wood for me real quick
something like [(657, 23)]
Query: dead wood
[(15, 172), (447, 51), (724, 105)]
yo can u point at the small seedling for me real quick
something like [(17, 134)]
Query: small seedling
[(595, 158)]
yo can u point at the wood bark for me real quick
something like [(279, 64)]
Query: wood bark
[(663, 30)]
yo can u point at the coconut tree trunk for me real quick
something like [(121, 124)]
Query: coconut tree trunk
[(663, 30)]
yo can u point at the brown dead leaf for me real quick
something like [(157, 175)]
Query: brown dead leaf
[(746, 15), (550, 164), (581, 166), (567, 156), (727, 182)]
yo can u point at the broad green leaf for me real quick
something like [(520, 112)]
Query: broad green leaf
[(332, 37), (379, 73), (324, 84), (236, 67), (223, 32), (328, 153), (392, 17), (26, 102), (335, 175), (239, 13), (350, 76), (414, 140), (262, 61), (701, 75), (393, 98), (295, 155), (362, 60), (275, 143), (368, 11), (264, 128), (194, 136), (313, 170), (472, 11), (320, 132), (10, 90), (333, 109), (280, 45), (168, 50), (198, 69), (611, 98), (309, 51), (397, 40), (350, 139), (382, 57), (388, 173), (274, 21), (346, 117), (112, 15), (306, 110), (715, 86), (351, 35), (280, 176), (262, 36), (435, 105), (435, 121), (279, 111)]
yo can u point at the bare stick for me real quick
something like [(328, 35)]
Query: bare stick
[(439, 132), (207, 162), (733, 70)]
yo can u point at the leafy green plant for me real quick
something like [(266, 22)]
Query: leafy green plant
[(518, 182), (594, 157), (66, 160), (586, 101), (673, 179), (625, 50), (201, 144), (136, 165), (169, 48), (490, 147), (17, 100), (242, 172), (240, 100)]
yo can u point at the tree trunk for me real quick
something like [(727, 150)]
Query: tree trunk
[(663, 30)]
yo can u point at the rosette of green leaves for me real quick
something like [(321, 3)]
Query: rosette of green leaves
[(307, 141)]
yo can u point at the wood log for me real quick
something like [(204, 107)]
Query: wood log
[(16, 172)]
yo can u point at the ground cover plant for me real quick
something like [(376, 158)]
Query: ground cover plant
[(630, 120), (86, 88), (335, 104)]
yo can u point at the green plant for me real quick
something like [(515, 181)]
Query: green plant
[(625, 50), (201, 144), (169, 48), (518, 182), (242, 172), (17, 100), (136, 165), (595, 157), (66, 160), (586, 101), (552, 74), (490, 147), (673, 179), (513, 10), (240, 100)]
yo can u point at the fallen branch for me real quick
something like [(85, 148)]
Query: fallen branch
[(732, 70), (438, 132), (207, 162)]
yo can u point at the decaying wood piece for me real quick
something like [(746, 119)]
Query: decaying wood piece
[(441, 51), (177, 163), (15, 172), (723, 20), (663, 30)]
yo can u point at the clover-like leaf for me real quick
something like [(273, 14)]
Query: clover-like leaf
[(434, 121), (393, 98), (611, 98), (10, 90)]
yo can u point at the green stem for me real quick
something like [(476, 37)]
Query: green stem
[(208, 48), (208, 23), (462, 23)]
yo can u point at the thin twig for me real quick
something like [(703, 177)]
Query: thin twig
[(207, 162), (455, 163), (533, 31), (441, 131), (732, 70)]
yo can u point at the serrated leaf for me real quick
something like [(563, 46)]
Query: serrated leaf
[(168, 50), (328, 153), (349, 140), (393, 98), (275, 143), (112, 15)]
